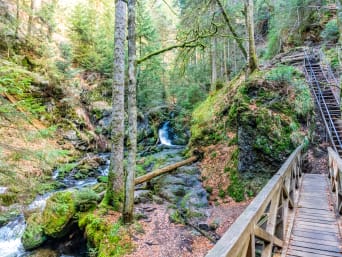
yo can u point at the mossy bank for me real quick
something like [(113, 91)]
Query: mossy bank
[(265, 116)]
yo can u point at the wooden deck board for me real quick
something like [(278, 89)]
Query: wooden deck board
[(315, 230)]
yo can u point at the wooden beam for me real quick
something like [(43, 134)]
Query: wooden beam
[(267, 237), (287, 196)]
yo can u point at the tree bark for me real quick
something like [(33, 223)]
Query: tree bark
[(17, 18), (132, 116), (166, 169), (238, 39), (252, 56), (213, 64), (116, 173), (30, 18)]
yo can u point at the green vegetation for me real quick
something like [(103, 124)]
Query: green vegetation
[(330, 32), (33, 235), (104, 237), (58, 213), (267, 110)]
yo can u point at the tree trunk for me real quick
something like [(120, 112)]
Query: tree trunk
[(132, 115), (213, 65), (252, 57), (17, 18), (116, 173), (238, 39), (30, 18)]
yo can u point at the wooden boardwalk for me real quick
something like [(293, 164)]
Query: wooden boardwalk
[(315, 231)]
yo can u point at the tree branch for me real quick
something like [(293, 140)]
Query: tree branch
[(238, 39), (187, 44)]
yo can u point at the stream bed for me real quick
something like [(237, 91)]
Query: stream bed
[(182, 189)]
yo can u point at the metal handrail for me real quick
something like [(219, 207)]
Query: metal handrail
[(330, 75), (321, 97), (327, 65)]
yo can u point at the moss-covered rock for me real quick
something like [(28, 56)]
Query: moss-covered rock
[(33, 235), (86, 199), (58, 214), (268, 112), (105, 235)]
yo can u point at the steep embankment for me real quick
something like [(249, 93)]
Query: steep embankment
[(248, 128), (30, 146)]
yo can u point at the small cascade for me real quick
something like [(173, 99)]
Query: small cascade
[(163, 134), (10, 238)]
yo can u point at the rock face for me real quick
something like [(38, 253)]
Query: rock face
[(184, 189), (33, 235), (58, 214)]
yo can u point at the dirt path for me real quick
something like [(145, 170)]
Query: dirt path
[(156, 236)]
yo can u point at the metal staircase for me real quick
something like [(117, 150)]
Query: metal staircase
[(325, 89)]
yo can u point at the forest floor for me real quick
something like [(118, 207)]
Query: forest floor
[(159, 237), (156, 235)]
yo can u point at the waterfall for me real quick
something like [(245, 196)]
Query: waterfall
[(163, 134)]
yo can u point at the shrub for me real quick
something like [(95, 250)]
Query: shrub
[(330, 32)]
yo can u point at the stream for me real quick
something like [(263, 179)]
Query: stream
[(185, 183)]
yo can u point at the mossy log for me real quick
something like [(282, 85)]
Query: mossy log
[(166, 169)]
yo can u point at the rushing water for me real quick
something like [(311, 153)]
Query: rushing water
[(11, 233), (10, 238), (163, 134)]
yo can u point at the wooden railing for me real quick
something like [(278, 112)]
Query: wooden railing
[(263, 227), (335, 175)]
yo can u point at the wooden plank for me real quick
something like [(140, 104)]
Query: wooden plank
[(316, 226), (314, 251), (311, 245), (295, 238), (313, 212), (314, 235), (297, 253), (316, 219), (315, 231)]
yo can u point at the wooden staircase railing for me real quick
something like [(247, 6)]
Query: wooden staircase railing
[(335, 175), (264, 226)]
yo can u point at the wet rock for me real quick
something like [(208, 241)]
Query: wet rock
[(44, 253), (58, 214), (70, 135), (183, 188), (204, 226), (157, 199), (142, 196), (33, 236), (87, 167)]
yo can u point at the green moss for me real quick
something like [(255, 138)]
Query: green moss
[(209, 119), (108, 239), (7, 216), (33, 235), (8, 198), (86, 199), (64, 169), (58, 214)]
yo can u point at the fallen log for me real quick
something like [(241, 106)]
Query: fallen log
[(166, 169)]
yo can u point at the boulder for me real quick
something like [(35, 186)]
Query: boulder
[(33, 235), (58, 214)]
